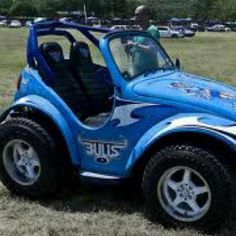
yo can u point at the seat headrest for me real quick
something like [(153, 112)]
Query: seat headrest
[(80, 54), (52, 53)]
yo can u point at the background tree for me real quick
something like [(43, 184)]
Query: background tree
[(23, 8), (162, 9), (5, 6)]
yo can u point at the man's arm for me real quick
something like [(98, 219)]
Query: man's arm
[(144, 48)]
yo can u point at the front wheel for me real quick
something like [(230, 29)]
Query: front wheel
[(186, 186)]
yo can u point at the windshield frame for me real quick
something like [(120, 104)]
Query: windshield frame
[(112, 35)]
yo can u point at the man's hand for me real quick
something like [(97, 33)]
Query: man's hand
[(131, 44)]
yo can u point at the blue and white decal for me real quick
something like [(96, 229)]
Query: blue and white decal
[(103, 151), (196, 121), (224, 128), (192, 90), (124, 112)]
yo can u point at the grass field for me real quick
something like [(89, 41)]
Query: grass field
[(99, 211)]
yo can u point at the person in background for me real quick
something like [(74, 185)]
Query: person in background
[(141, 48), (142, 18)]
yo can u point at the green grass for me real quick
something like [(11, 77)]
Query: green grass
[(12, 60), (101, 211), (209, 54)]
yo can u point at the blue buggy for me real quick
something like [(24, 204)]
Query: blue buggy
[(126, 112)]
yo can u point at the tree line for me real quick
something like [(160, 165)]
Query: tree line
[(161, 9)]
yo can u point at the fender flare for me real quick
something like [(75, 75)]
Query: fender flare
[(218, 128), (49, 110)]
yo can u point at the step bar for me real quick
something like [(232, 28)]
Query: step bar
[(93, 175)]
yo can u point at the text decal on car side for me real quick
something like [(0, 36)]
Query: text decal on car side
[(103, 151)]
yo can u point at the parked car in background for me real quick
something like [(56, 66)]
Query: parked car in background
[(184, 31), (28, 23), (40, 20), (134, 27), (119, 27), (15, 24), (227, 29), (167, 32), (201, 28), (218, 28), (194, 26), (3, 23)]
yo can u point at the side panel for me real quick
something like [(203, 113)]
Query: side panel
[(219, 128), (106, 150), (49, 110)]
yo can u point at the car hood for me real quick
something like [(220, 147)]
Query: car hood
[(188, 89)]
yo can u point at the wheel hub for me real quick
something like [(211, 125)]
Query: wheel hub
[(185, 192), (180, 198), (21, 162)]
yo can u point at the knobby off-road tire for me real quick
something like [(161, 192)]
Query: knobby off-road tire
[(205, 170), (49, 165)]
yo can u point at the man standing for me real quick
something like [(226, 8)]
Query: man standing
[(142, 17), (141, 48)]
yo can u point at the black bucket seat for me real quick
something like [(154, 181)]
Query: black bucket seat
[(65, 84), (94, 80)]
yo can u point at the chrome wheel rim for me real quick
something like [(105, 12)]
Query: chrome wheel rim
[(184, 194), (21, 162)]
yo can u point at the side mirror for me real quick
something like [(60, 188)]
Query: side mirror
[(178, 64)]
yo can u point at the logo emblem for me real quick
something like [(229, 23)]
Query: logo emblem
[(102, 151)]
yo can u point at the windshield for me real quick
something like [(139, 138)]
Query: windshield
[(137, 53)]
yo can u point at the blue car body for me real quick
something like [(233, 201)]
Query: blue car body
[(146, 110)]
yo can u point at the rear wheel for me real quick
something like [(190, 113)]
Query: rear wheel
[(186, 186), (21, 162), (29, 161)]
